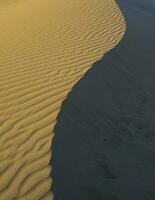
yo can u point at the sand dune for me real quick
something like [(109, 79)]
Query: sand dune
[(107, 123), (45, 48)]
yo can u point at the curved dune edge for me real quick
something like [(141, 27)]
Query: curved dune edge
[(46, 47), (104, 142)]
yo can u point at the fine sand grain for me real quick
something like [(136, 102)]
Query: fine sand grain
[(45, 48)]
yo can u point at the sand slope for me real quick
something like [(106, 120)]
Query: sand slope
[(45, 48), (107, 123)]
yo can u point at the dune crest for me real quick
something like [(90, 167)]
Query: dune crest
[(46, 47)]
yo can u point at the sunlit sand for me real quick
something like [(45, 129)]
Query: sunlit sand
[(46, 46)]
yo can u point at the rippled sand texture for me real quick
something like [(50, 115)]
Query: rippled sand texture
[(46, 46)]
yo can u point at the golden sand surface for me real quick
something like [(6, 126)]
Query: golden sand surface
[(46, 46)]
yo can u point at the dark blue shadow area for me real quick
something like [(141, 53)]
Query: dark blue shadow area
[(104, 143)]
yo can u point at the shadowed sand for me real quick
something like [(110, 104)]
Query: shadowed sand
[(46, 46), (104, 143)]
